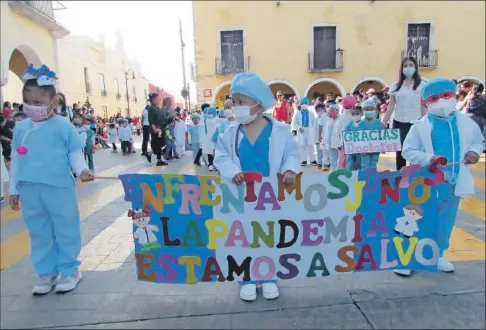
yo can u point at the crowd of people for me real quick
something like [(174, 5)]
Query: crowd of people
[(255, 132)]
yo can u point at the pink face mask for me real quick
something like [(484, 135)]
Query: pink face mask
[(37, 112), (332, 114)]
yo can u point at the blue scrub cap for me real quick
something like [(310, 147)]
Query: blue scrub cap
[(368, 104), (211, 111), (195, 115), (304, 100), (437, 87), (249, 84), (221, 113), (334, 107)]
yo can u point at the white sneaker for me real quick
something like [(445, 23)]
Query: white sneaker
[(270, 290), (66, 284), (211, 168), (44, 285), (403, 272), (248, 292), (444, 265)]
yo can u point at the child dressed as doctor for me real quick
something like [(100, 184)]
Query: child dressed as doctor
[(46, 147), (264, 145), (444, 132), (304, 122)]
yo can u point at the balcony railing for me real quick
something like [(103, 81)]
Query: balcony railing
[(44, 7), (88, 87), (428, 59), (224, 68), (103, 92), (118, 96), (321, 63)]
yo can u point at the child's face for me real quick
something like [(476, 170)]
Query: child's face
[(172, 124), (412, 214), (87, 123), (124, 124), (18, 119), (38, 97), (356, 112), (195, 121)]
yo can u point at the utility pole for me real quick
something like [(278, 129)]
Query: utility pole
[(128, 95), (185, 91)]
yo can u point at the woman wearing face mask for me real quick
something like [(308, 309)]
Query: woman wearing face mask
[(445, 133), (263, 145), (405, 102), (63, 109)]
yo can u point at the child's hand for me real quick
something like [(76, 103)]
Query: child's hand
[(238, 178), (86, 176), (288, 178), (471, 157), (14, 202)]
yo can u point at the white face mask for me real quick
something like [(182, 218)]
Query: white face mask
[(409, 71), (243, 114), (443, 107), (304, 107), (86, 126), (228, 113), (356, 118)]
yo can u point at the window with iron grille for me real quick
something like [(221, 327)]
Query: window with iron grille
[(324, 47), (418, 44), (232, 59)]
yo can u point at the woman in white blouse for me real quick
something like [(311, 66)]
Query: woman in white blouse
[(405, 102)]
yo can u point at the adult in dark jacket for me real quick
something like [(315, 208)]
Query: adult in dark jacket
[(157, 120)]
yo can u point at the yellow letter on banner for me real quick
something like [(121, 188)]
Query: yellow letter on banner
[(211, 225), (358, 186), (190, 261), (405, 257), (207, 188), (170, 187), (157, 202), (425, 191)]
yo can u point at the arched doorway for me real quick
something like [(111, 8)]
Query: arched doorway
[(323, 87), (20, 59), (284, 86), (471, 79), (369, 82), (221, 93)]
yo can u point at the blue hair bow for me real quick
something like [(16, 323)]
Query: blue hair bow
[(44, 76)]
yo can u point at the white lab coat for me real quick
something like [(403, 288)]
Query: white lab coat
[(335, 141), (418, 148), (308, 137), (145, 235), (180, 130), (207, 127), (284, 153), (406, 226)]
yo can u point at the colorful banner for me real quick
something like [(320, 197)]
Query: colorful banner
[(190, 229), (370, 141)]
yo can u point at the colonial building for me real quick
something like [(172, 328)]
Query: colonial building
[(308, 48)]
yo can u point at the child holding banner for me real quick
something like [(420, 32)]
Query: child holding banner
[(47, 147), (370, 122), (263, 145), (353, 161), (446, 136)]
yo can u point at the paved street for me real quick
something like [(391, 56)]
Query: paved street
[(109, 296)]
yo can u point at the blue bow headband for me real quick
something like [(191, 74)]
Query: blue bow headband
[(44, 76)]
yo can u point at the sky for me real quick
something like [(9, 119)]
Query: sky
[(150, 32)]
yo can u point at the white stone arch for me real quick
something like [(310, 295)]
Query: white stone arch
[(474, 78), (31, 56), (219, 88), (285, 82), (329, 80), (362, 80)]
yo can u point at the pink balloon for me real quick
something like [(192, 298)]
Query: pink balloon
[(21, 150)]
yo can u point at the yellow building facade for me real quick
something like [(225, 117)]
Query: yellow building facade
[(95, 74), (313, 48), (29, 34)]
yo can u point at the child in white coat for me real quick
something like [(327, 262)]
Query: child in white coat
[(331, 137), (304, 122), (207, 127), (445, 133), (264, 145), (180, 132)]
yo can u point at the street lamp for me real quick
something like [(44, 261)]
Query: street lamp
[(126, 85)]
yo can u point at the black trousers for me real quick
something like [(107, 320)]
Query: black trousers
[(198, 156), (126, 147), (210, 159), (146, 137), (404, 129), (157, 143)]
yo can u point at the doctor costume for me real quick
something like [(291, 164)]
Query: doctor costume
[(447, 133), (207, 127), (180, 130), (274, 151), (194, 134), (305, 123)]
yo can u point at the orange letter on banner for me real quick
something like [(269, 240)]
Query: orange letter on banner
[(143, 265), (157, 202)]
